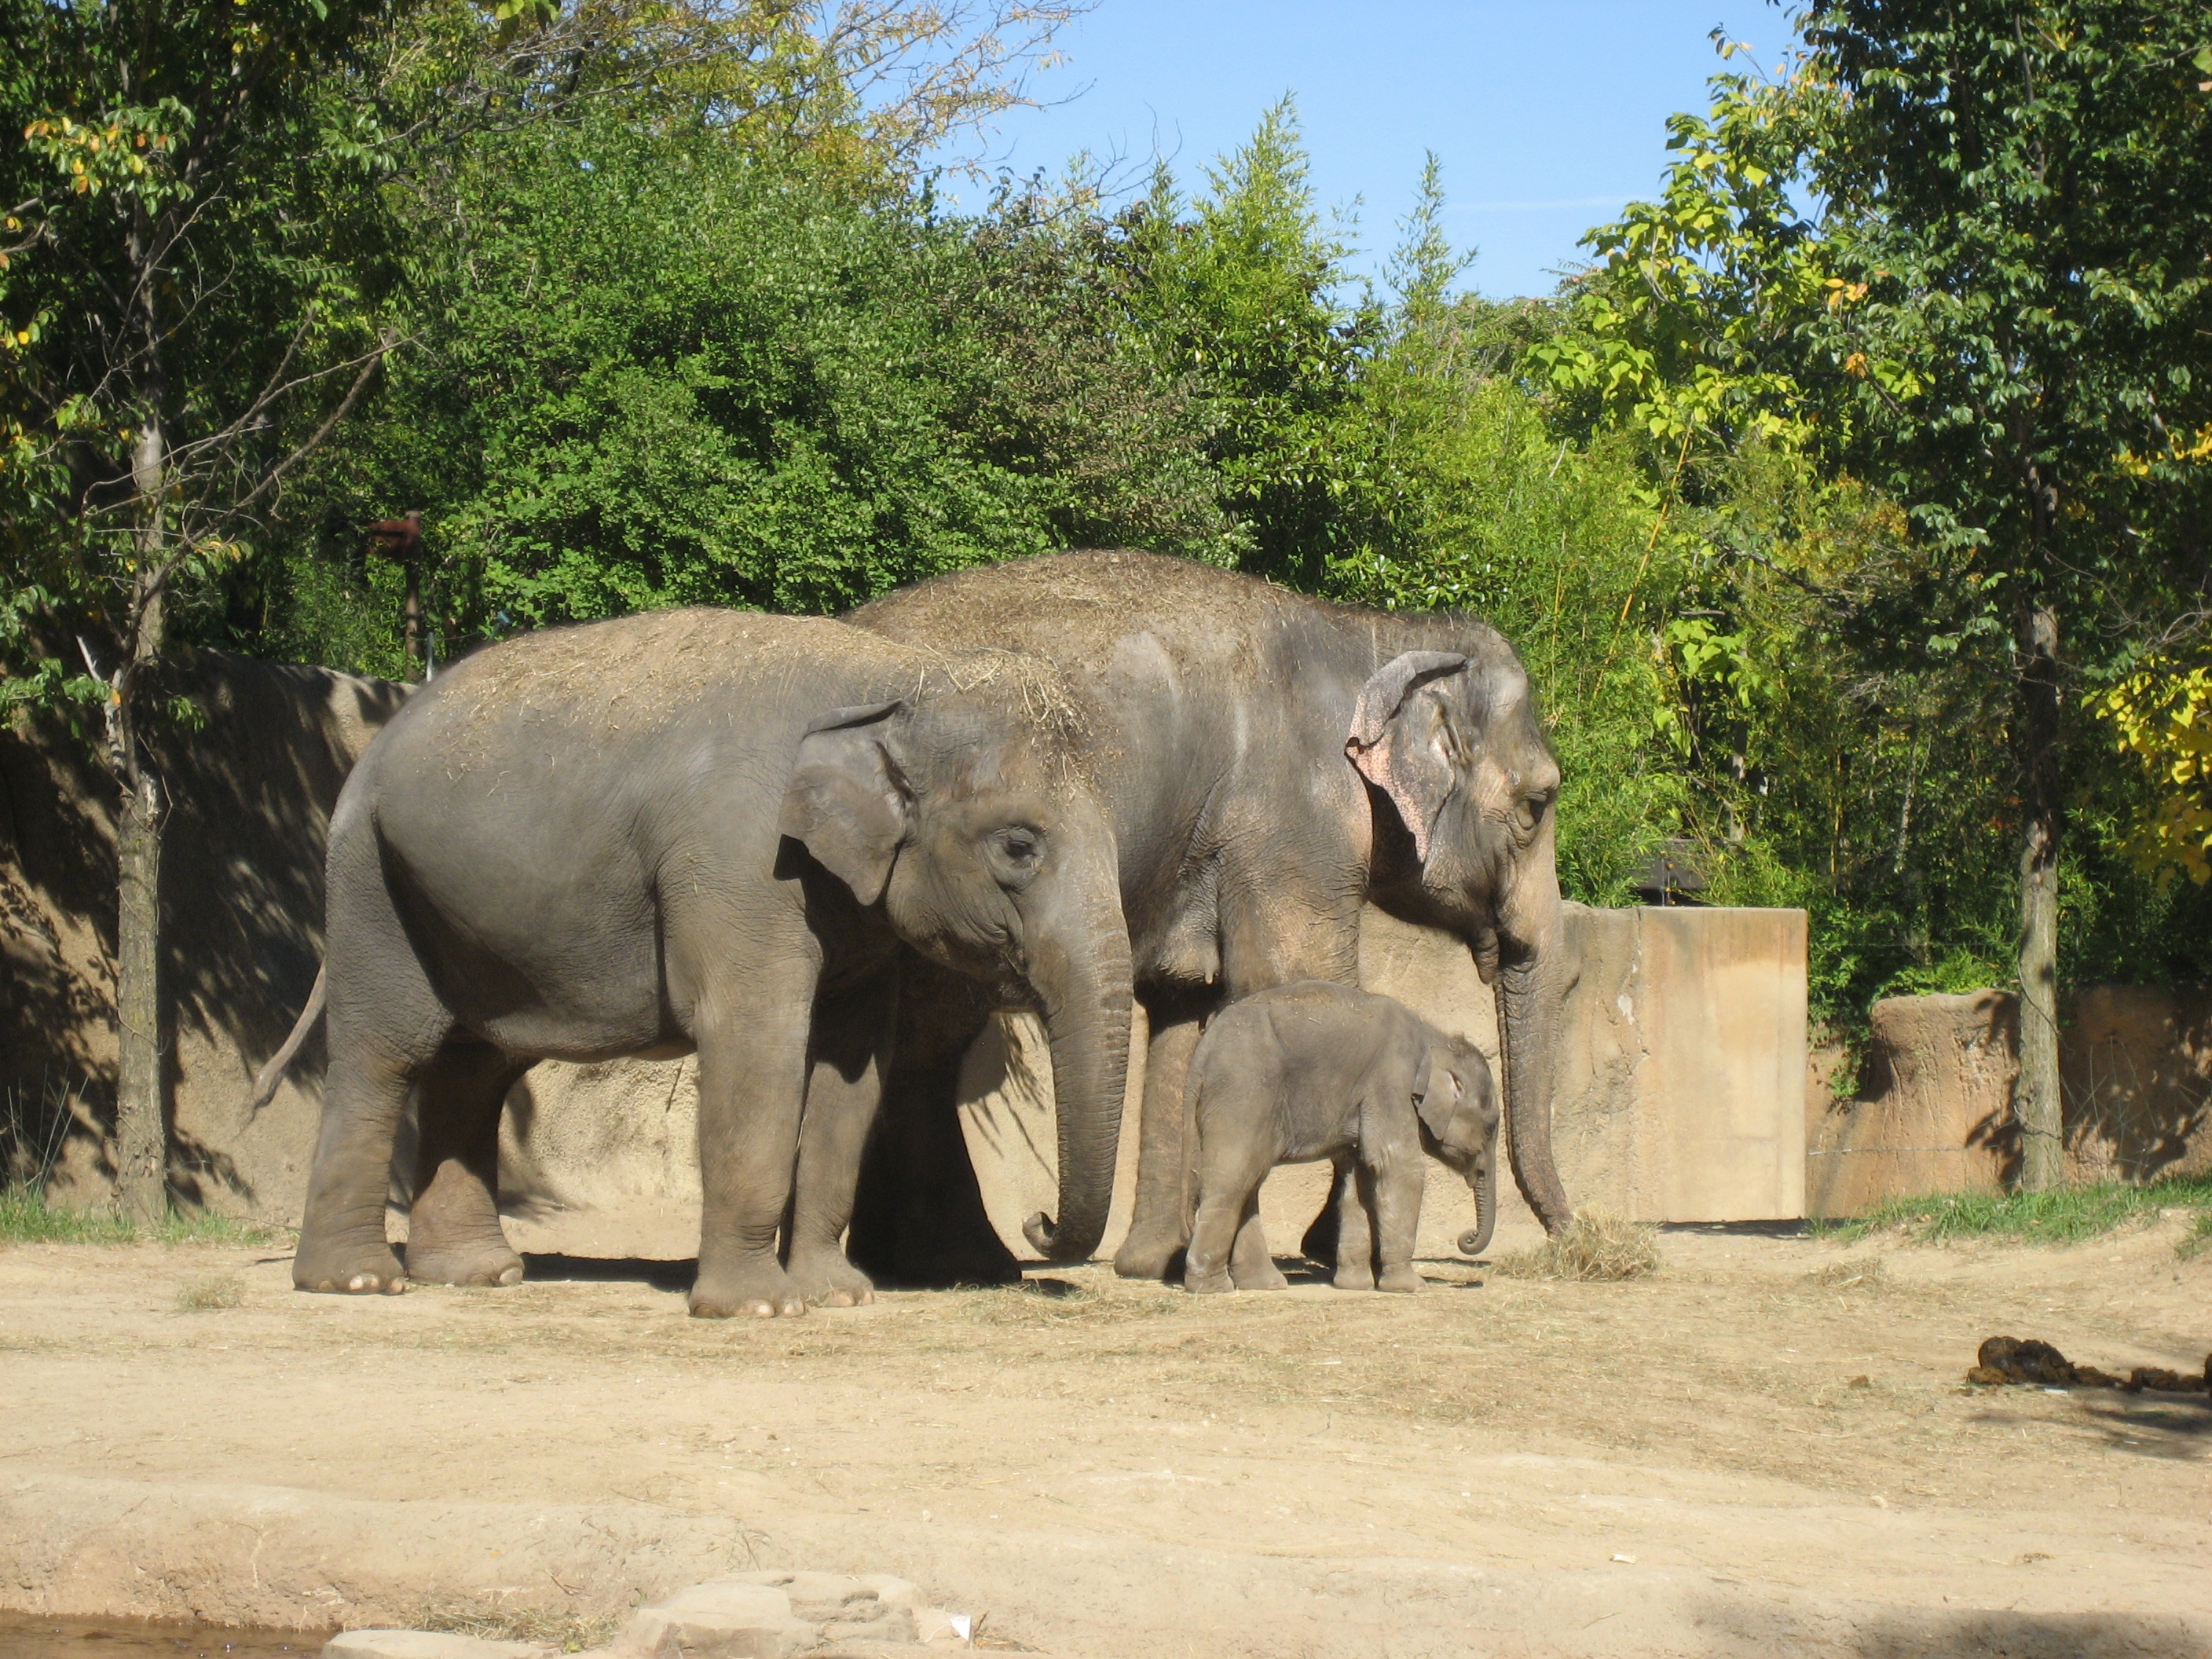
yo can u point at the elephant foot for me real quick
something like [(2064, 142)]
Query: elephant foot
[(347, 1269), (1148, 1255), (471, 1261), (1353, 1278), (826, 1279), (754, 1291), (1214, 1284), (1398, 1280), (1269, 1278)]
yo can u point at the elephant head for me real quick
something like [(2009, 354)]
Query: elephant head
[(1458, 1111), (967, 818), (1453, 743)]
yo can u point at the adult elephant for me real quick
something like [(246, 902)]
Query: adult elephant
[(1270, 763), (702, 829)]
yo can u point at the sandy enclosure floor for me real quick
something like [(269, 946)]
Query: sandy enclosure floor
[(1742, 1455)]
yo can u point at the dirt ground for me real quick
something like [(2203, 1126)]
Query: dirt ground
[(1765, 1448)]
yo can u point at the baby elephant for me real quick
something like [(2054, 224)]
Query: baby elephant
[(1315, 1070)]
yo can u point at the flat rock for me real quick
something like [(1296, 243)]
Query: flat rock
[(425, 1644), (727, 1619)]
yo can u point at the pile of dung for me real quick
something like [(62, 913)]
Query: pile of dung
[(2004, 1360)]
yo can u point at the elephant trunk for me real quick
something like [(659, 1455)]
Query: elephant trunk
[(1080, 974), (1476, 1239), (1531, 987)]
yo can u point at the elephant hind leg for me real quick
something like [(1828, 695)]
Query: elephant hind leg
[(386, 1029), (453, 1234), (1250, 1263)]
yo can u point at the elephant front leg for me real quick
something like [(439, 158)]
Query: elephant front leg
[(1165, 1149), (753, 1086), (852, 1038), (1397, 1187), (1353, 1194)]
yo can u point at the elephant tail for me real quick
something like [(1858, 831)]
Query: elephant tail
[(266, 1082)]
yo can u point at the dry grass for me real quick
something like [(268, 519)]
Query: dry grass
[(1867, 1273), (210, 1295), (1596, 1247), (562, 1634)]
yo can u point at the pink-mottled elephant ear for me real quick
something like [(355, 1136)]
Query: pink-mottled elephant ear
[(1398, 739), (846, 802)]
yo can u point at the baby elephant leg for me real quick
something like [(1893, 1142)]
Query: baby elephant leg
[(1229, 1177), (1249, 1263), (1355, 1240), (1397, 1219)]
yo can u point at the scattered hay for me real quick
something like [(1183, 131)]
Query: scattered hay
[(1867, 1273), (563, 1632), (210, 1295), (2004, 1360), (1596, 1247)]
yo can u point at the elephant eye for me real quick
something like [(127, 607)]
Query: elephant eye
[(1016, 850), (1533, 807)]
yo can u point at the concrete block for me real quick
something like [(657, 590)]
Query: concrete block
[(425, 1644)]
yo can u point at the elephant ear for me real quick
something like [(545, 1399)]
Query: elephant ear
[(1436, 1096), (847, 803), (1398, 739)]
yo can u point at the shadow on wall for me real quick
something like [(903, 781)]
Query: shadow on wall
[(250, 778), (1936, 1115)]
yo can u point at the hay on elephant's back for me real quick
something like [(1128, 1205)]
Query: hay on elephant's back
[(635, 673), (1596, 1247)]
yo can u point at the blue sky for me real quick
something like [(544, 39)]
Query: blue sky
[(1548, 115)]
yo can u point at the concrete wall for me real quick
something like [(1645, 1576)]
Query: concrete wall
[(1679, 1097), (1935, 1117)]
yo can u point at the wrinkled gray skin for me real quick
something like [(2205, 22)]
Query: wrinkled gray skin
[(699, 829), (1315, 1070), (1270, 763)]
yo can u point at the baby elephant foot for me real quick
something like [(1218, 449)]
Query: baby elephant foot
[(1399, 1280), (756, 1292), (1269, 1278), (478, 1261), (1205, 1283), (342, 1271), (825, 1280), (1354, 1279)]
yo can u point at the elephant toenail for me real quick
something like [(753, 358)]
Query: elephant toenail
[(510, 1276)]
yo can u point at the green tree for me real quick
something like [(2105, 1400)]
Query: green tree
[(190, 307), (2019, 203)]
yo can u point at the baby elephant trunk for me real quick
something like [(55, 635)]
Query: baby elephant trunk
[(1484, 1180)]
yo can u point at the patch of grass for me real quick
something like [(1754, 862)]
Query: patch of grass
[(26, 1218), (1596, 1247), (564, 1634), (2066, 1215), (2198, 1239), (210, 1295)]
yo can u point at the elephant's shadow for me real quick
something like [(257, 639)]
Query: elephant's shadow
[(672, 1277)]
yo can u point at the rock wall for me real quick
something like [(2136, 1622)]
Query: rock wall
[(1935, 1114)]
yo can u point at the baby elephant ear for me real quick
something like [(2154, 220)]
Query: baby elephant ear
[(1436, 1096), (846, 802), (1395, 740)]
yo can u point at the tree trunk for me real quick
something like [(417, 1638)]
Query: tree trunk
[(141, 1129), (141, 1139), (2038, 1109)]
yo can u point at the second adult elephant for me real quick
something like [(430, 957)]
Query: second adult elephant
[(1270, 763), (702, 829)]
